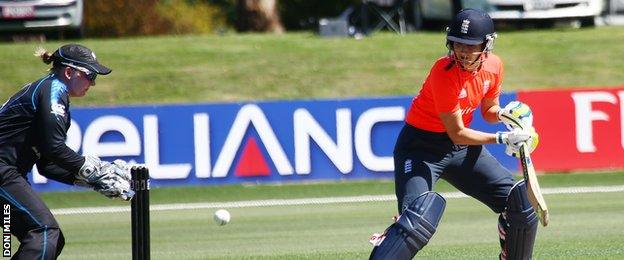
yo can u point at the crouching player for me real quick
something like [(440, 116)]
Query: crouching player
[(33, 129), (436, 142)]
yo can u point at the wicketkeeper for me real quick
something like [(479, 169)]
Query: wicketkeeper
[(33, 129), (436, 142)]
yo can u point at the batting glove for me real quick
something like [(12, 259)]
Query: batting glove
[(516, 115), (517, 137)]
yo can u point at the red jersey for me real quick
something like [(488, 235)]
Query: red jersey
[(451, 89)]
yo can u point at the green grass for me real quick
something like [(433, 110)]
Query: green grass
[(242, 67), (341, 231), (190, 194), (256, 67), (583, 226)]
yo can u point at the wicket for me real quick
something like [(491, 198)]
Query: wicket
[(140, 213)]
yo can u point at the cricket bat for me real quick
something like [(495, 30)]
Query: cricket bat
[(533, 189)]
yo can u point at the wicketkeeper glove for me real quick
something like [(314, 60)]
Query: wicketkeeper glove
[(516, 115), (110, 179)]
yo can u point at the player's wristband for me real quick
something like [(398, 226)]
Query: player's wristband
[(500, 137)]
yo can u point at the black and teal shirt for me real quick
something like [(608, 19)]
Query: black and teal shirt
[(33, 129)]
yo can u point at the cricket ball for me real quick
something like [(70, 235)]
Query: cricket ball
[(221, 217)]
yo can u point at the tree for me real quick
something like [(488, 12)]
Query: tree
[(258, 15)]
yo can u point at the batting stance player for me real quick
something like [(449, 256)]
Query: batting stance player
[(436, 142), (33, 129)]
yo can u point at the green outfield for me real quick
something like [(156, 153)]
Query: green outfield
[(242, 67), (583, 226)]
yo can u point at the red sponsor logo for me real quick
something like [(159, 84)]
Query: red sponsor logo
[(579, 129), (252, 162)]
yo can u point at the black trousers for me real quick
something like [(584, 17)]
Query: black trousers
[(32, 223), (421, 158)]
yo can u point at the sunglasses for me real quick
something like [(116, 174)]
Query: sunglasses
[(91, 76)]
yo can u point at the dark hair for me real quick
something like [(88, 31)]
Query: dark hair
[(48, 58), (45, 56)]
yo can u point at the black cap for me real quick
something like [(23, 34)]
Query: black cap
[(78, 56), (470, 26)]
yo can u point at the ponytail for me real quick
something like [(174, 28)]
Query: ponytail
[(45, 56)]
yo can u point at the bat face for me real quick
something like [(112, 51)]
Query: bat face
[(533, 189)]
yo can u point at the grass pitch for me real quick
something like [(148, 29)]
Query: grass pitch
[(244, 67), (256, 67), (583, 226)]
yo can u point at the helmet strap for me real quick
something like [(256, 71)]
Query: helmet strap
[(454, 59)]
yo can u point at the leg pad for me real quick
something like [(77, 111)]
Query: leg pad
[(518, 225), (413, 229)]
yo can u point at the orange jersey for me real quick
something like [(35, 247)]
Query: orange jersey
[(449, 90)]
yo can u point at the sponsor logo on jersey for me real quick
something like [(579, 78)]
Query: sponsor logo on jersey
[(463, 93), (467, 110), (58, 109)]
